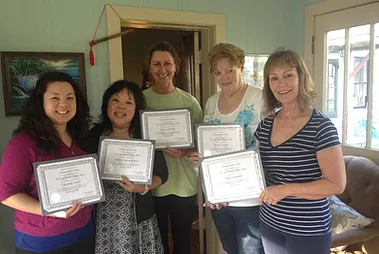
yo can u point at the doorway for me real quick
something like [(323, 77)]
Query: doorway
[(212, 30), (135, 46)]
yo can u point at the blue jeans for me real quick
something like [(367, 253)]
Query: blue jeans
[(238, 229), (276, 242)]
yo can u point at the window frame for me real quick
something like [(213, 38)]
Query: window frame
[(311, 12)]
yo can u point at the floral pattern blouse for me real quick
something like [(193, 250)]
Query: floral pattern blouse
[(248, 113)]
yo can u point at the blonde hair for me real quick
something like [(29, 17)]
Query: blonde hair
[(283, 57), (226, 50)]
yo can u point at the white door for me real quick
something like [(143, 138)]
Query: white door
[(346, 70)]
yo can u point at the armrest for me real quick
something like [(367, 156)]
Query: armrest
[(354, 236)]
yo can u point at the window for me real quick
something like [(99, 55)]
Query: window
[(346, 65), (332, 90), (253, 69), (360, 76)]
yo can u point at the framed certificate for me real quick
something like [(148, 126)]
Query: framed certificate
[(61, 182), (132, 158), (213, 139), (232, 176), (169, 128)]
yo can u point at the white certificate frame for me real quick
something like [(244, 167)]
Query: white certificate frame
[(50, 194), (135, 146), (149, 125), (233, 136), (249, 184)]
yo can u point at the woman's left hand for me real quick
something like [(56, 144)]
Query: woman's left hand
[(273, 194), (130, 186), (175, 153)]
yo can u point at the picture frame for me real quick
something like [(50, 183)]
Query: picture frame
[(253, 69), (21, 70)]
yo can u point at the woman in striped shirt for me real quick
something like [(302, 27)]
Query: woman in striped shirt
[(302, 159)]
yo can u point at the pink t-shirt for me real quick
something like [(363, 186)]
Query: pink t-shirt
[(17, 176)]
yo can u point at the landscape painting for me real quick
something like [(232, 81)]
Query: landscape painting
[(21, 70)]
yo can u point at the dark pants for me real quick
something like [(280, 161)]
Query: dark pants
[(238, 229), (182, 212), (276, 242), (85, 246)]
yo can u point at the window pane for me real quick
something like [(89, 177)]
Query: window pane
[(253, 70), (375, 111), (359, 41), (335, 77)]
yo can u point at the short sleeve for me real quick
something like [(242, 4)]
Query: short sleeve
[(259, 109), (16, 168), (257, 132), (207, 105), (326, 136), (197, 112)]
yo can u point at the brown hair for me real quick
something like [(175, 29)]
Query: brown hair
[(226, 50), (161, 46), (283, 57)]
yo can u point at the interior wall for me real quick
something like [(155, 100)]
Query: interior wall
[(68, 26)]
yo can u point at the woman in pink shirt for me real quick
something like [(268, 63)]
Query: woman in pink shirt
[(53, 127)]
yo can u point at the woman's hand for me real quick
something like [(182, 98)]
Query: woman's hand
[(24, 202), (273, 194), (75, 208), (195, 159), (216, 206), (175, 153), (130, 186)]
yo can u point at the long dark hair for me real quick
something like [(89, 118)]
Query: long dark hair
[(40, 128), (105, 123)]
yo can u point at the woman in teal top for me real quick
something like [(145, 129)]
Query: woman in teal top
[(175, 199)]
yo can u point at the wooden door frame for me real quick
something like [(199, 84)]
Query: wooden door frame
[(212, 28)]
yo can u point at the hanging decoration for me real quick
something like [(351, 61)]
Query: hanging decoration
[(94, 42)]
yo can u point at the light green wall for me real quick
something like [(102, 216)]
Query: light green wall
[(257, 26)]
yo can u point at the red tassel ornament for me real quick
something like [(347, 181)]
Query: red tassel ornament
[(91, 55)]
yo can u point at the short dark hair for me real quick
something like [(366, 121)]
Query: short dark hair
[(133, 89), (40, 128)]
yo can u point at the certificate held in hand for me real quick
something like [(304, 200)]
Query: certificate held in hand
[(132, 158), (214, 139), (169, 128), (232, 176), (61, 182)]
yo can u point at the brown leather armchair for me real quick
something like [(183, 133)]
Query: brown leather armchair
[(362, 194)]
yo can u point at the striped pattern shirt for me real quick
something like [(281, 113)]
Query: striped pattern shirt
[(295, 161)]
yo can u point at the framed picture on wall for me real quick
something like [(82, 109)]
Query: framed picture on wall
[(253, 69), (21, 70)]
